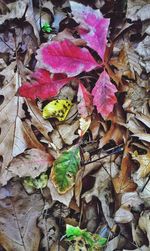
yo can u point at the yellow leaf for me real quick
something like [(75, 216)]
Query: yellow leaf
[(144, 161), (57, 109)]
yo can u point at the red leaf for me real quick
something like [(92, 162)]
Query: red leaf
[(103, 92), (85, 106), (44, 85), (65, 57), (94, 27)]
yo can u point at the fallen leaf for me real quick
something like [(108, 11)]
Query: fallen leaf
[(85, 106), (16, 134), (62, 198), (65, 57), (44, 85), (84, 125), (67, 132), (144, 161), (31, 163), (57, 109), (64, 170), (18, 215), (94, 27), (143, 49), (122, 182), (138, 10), (50, 231), (103, 93), (123, 215)]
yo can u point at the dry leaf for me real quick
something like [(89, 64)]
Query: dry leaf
[(63, 198), (67, 132), (144, 161), (18, 214), (143, 49), (123, 215), (31, 163)]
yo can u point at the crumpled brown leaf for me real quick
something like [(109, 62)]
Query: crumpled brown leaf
[(18, 215)]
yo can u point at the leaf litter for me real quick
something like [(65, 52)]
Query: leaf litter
[(75, 124)]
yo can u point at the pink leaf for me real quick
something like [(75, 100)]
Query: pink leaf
[(65, 57), (44, 85), (104, 97), (85, 106), (94, 27)]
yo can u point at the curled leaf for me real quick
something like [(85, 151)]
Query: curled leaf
[(64, 170), (57, 109)]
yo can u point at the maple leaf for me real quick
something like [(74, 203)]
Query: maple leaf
[(85, 106), (65, 57), (104, 97), (44, 85), (94, 27)]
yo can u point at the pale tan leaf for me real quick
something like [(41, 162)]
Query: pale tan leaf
[(67, 132), (123, 215), (143, 49), (63, 198), (144, 161)]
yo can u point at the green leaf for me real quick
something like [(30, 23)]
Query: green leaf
[(64, 170), (37, 183), (94, 241), (57, 109), (46, 27)]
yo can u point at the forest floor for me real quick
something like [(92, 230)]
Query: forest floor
[(74, 125)]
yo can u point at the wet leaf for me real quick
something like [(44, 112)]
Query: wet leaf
[(64, 170), (57, 109)]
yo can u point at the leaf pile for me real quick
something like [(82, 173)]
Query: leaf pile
[(75, 125)]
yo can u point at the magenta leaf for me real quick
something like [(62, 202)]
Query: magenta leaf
[(85, 106), (93, 27), (44, 86), (65, 57), (104, 97)]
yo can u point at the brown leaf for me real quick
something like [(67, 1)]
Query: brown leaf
[(18, 215), (16, 133), (31, 163), (122, 182)]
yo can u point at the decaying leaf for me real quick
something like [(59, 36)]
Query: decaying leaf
[(18, 215), (30, 163), (57, 109), (144, 161), (143, 49), (68, 132), (65, 57), (16, 134), (64, 170)]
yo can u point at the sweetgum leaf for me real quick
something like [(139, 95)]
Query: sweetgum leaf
[(64, 170), (44, 85), (93, 27), (103, 93), (85, 106), (57, 109), (65, 57)]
